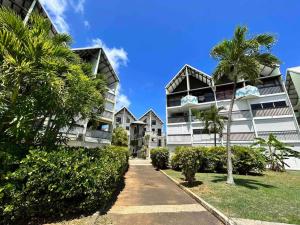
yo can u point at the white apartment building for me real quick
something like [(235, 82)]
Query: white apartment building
[(258, 110), (292, 84)]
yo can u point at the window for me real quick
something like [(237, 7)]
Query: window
[(268, 105), (280, 104), (145, 129), (197, 131), (127, 120), (145, 120), (159, 132), (127, 128), (159, 143), (256, 106), (153, 122), (119, 120), (153, 129)]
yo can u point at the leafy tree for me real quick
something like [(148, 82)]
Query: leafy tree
[(120, 137), (44, 85), (213, 121), (240, 59), (276, 152)]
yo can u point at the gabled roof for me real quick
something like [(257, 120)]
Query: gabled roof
[(292, 84), (103, 65), (177, 79), (129, 112), (155, 114)]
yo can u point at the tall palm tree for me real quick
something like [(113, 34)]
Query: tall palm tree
[(213, 121), (240, 58)]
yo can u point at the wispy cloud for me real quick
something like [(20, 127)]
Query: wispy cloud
[(87, 24), (57, 9), (116, 56), (122, 99)]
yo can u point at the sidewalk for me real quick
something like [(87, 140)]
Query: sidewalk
[(150, 198)]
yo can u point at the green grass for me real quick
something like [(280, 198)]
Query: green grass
[(271, 197)]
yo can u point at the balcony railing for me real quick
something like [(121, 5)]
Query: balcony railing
[(242, 114), (178, 119), (98, 134), (240, 136), (110, 96), (205, 138), (179, 139), (108, 115), (266, 90), (272, 112), (291, 135)]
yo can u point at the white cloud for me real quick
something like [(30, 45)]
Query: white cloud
[(116, 56), (57, 9), (87, 24), (122, 99)]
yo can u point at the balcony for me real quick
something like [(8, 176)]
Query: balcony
[(243, 136), (178, 119), (99, 134), (205, 138), (270, 89), (107, 114), (179, 139), (291, 135), (110, 96), (241, 114), (272, 112)]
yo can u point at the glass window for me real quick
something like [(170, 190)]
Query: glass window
[(127, 128), (280, 104), (256, 106), (197, 131), (268, 105), (119, 120), (127, 120), (153, 122), (153, 129)]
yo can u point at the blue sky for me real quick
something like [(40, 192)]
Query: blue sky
[(149, 41)]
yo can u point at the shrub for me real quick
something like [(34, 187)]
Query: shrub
[(247, 159), (120, 137), (191, 160), (62, 182), (159, 157)]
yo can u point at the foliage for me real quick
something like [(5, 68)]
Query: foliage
[(213, 159), (190, 159), (276, 152), (240, 59), (247, 159), (44, 84), (63, 181), (213, 121), (119, 137), (159, 157)]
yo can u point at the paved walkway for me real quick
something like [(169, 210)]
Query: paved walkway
[(240, 221), (150, 198)]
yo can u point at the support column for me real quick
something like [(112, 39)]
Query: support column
[(30, 10)]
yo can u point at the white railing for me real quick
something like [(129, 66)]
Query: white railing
[(291, 135), (272, 112), (205, 138), (98, 134), (179, 139)]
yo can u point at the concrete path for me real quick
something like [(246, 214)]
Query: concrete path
[(150, 198), (240, 221)]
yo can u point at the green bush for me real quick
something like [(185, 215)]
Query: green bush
[(191, 160), (62, 182), (247, 159), (159, 157), (214, 159)]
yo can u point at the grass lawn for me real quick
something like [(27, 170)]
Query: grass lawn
[(272, 197)]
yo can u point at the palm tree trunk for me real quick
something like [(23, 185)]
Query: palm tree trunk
[(215, 134), (229, 153)]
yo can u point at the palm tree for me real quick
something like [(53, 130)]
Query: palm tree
[(276, 152), (213, 121), (240, 59)]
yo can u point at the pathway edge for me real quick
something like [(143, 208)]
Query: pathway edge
[(226, 220)]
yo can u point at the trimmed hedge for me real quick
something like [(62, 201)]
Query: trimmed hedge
[(159, 157), (213, 159), (61, 182)]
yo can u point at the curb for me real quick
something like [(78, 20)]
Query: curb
[(207, 206)]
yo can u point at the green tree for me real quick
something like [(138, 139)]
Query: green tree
[(276, 152), (44, 85), (213, 121), (240, 59), (120, 137)]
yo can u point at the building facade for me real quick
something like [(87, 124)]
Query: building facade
[(258, 110), (292, 84), (124, 118)]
